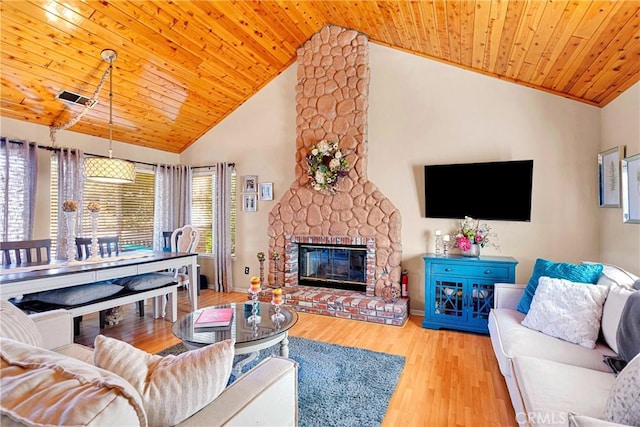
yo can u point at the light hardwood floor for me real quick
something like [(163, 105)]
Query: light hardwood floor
[(450, 378)]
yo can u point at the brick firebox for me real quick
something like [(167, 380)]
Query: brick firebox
[(291, 256)]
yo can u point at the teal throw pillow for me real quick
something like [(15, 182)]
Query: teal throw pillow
[(582, 273)]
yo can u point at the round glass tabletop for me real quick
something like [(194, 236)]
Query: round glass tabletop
[(240, 330)]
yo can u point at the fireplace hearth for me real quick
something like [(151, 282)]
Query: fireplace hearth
[(333, 266)]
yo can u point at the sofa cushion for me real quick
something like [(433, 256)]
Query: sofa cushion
[(623, 403), (76, 295), (512, 339), (567, 310), (172, 387), (40, 387), (143, 282), (612, 274), (582, 273), (15, 324), (611, 312), (550, 390)]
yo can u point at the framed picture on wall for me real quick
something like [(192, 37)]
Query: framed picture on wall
[(609, 177), (265, 191), (249, 184), (631, 189), (249, 203)]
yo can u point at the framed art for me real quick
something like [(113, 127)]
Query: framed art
[(249, 203), (249, 184), (265, 191), (631, 189), (609, 177)]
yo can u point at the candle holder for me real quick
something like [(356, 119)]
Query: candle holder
[(445, 247), (70, 218), (438, 248), (277, 317), (255, 304), (95, 249)]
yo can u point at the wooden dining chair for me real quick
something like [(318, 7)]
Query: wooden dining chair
[(108, 246), (166, 241), (183, 239), (26, 251)]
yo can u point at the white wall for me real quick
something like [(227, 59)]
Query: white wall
[(260, 138), (16, 129), (425, 112), (619, 241)]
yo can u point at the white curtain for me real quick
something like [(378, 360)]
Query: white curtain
[(223, 273), (172, 206), (18, 177), (70, 187)]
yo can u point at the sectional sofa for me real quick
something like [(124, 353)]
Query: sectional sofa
[(556, 375), (46, 379)]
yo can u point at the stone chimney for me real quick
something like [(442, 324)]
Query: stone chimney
[(331, 103)]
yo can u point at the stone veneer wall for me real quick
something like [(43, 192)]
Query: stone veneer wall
[(331, 103)]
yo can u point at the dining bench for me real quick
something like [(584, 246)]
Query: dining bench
[(59, 299)]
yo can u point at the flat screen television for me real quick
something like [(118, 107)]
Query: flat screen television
[(490, 190)]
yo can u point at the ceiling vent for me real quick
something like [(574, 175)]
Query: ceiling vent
[(74, 98)]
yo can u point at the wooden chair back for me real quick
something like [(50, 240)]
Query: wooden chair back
[(26, 251), (166, 241), (185, 239), (108, 246)]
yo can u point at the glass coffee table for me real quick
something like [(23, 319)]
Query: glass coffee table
[(250, 337)]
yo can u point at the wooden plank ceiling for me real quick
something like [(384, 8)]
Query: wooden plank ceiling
[(183, 66)]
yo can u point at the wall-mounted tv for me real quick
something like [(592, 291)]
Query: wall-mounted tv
[(490, 190)]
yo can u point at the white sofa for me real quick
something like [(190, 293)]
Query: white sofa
[(266, 395), (552, 381)]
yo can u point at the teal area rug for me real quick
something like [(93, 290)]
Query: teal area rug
[(337, 385)]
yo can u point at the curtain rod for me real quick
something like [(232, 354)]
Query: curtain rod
[(56, 149)]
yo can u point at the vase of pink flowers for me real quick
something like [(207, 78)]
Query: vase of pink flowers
[(472, 236)]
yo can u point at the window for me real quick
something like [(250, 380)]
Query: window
[(126, 209), (202, 210), (18, 175)]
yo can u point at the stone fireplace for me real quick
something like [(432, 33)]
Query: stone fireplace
[(331, 103)]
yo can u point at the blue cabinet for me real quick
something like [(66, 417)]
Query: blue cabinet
[(459, 290)]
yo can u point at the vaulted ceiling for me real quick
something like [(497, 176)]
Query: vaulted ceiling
[(183, 66)]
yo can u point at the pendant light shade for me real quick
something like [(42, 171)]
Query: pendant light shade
[(105, 169), (108, 169)]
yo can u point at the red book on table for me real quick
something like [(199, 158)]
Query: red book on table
[(214, 317)]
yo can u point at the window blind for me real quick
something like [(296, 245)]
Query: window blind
[(203, 210), (126, 209)]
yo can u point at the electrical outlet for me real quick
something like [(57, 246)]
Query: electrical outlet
[(246, 270)]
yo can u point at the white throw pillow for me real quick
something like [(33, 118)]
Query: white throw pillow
[(44, 388), (567, 310), (612, 274), (172, 387), (623, 405)]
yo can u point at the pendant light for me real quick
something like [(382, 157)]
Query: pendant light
[(108, 169)]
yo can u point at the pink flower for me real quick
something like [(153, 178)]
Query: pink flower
[(463, 243), (478, 238)]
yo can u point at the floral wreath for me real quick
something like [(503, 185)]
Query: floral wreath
[(326, 164)]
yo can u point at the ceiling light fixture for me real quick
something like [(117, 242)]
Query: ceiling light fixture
[(108, 169)]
